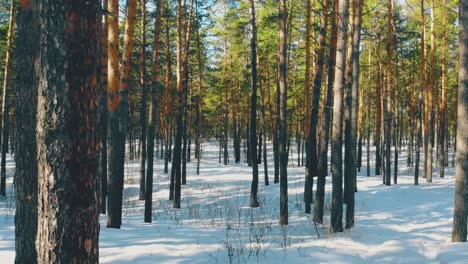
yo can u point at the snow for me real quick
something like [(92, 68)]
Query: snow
[(401, 223)]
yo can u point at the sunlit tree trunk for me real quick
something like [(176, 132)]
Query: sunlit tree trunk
[(459, 231), (337, 136)]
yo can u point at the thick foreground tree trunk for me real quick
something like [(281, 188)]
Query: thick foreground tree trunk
[(459, 230), (25, 119), (67, 132)]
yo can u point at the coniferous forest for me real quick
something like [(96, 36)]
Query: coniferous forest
[(233, 131)]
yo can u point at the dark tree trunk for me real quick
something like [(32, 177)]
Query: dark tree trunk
[(144, 96), (68, 212), (116, 135), (155, 87), (327, 105), (253, 109), (460, 214), (337, 137), (25, 105), (103, 115), (282, 113), (352, 109)]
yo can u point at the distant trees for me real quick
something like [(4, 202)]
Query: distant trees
[(67, 132)]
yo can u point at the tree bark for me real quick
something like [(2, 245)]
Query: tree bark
[(459, 231), (352, 108), (103, 114), (155, 87), (116, 143), (253, 108), (67, 132), (25, 105), (337, 137), (144, 96), (327, 105), (282, 113)]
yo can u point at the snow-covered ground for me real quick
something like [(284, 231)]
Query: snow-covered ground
[(394, 224)]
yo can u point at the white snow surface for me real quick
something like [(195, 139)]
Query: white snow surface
[(400, 223)]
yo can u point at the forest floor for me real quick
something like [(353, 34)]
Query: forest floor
[(401, 223)]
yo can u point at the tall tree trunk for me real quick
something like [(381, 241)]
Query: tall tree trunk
[(378, 107), (282, 113), (311, 151), (25, 105), (67, 132), (352, 108), (116, 148), (168, 107), (103, 113), (185, 66), (337, 137), (443, 108), (155, 87), (388, 91), (199, 100), (176, 164), (327, 105), (5, 110), (253, 108), (459, 230), (144, 96), (430, 100)]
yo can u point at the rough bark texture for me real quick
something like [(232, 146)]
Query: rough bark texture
[(67, 132), (337, 137), (25, 119), (459, 230)]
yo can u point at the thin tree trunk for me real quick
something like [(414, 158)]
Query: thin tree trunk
[(253, 108), (282, 113), (176, 164), (155, 87), (352, 108), (5, 108), (327, 105), (144, 96), (337, 137)]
